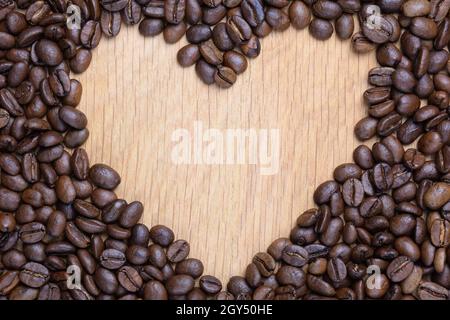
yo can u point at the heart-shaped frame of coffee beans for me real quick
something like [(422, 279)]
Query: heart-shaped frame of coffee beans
[(382, 226)]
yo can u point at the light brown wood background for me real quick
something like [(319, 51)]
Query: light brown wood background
[(136, 95)]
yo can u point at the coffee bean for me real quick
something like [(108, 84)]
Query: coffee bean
[(406, 246), (32, 232), (295, 255), (424, 28), (113, 5), (211, 53), (252, 11), (155, 290), (321, 29), (319, 286), (91, 34), (440, 233), (81, 61), (137, 255), (178, 251), (34, 275), (382, 33), (299, 14), (132, 13), (106, 280), (191, 267), (265, 263), (179, 285), (336, 270), (130, 279), (174, 11), (104, 176), (224, 77), (151, 27), (188, 55), (198, 33), (353, 192), (112, 259), (399, 269), (210, 284), (161, 235), (110, 23), (431, 291)]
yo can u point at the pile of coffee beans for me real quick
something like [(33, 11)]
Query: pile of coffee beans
[(381, 228)]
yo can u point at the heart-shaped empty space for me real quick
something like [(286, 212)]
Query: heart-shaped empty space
[(136, 96)]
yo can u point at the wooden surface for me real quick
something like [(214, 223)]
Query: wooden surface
[(136, 95)]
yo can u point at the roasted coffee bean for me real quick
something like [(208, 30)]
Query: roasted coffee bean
[(431, 291), (210, 284), (321, 29), (440, 233), (112, 259), (110, 23), (106, 280), (336, 270), (161, 235), (137, 255), (361, 44), (224, 77), (104, 176), (384, 197), (437, 195), (366, 128), (399, 269), (32, 232), (130, 279), (155, 290), (319, 286), (265, 263), (179, 285), (113, 5), (34, 275), (353, 192), (295, 255), (174, 11), (157, 255), (177, 251), (252, 11), (191, 267), (211, 53), (188, 55), (205, 71)]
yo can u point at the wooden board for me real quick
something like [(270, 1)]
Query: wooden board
[(136, 95)]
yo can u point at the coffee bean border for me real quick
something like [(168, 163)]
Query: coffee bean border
[(382, 226)]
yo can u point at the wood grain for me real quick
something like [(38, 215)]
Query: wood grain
[(135, 96)]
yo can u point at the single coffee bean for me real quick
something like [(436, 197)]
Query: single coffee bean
[(178, 251), (431, 291), (210, 284), (295, 256), (179, 285), (34, 275), (106, 280), (112, 259), (104, 176), (321, 29), (399, 269), (188, 55), (130, 279)]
